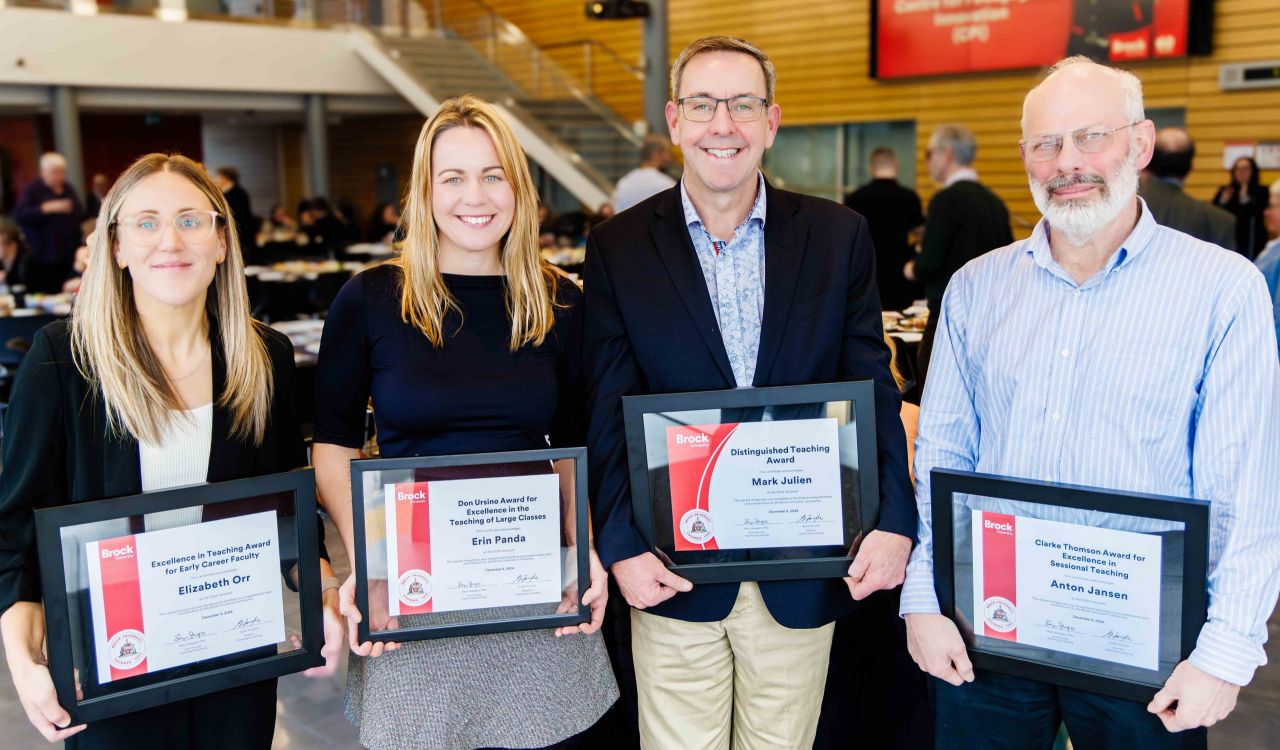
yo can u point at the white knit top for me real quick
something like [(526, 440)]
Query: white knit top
[(181, 457)]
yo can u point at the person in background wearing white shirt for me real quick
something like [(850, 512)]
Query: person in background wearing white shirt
[(1108, 351), (650, 178)]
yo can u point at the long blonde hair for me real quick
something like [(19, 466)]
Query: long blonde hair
[(111, 350), (531, 282)]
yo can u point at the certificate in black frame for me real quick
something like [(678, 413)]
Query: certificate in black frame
[(860, 482), (190, 682), (476, 627), (1190, 545)]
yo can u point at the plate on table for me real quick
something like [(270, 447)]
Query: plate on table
[(290, 327), (370, 248)]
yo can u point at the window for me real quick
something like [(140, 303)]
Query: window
[(830, 161)]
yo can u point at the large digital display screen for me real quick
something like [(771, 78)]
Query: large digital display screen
[(934, 37)]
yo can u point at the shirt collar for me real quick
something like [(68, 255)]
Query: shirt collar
[(964, 173), (1038, 245), (692, 218)]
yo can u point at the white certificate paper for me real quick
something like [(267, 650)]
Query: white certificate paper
[(473, 543), (756, 484), (1072, 588), (162, 599)]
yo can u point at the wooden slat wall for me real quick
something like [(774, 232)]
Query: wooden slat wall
[(358, 144), (821, 51)]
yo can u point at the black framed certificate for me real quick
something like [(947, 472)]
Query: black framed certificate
[(169, 595), (754, 484), (1093, 589), (467, 544)]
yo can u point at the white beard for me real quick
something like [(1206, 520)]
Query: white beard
[(1080, 219)]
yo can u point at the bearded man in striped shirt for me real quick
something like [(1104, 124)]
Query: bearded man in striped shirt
[(1108, 351)]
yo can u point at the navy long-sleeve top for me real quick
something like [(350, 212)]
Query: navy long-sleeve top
[(53, 238), (471, 395)]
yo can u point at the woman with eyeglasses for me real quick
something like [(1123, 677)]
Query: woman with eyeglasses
[(468, 343), (160, 379)]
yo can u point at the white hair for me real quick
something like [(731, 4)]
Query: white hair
[(1129, 84), (52, 159)]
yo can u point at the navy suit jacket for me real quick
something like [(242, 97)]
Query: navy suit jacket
[(650, 328)]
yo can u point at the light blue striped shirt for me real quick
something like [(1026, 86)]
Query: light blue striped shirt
[(1157, 375), (734, 272)]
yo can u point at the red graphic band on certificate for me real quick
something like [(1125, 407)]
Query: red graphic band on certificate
[(456, 544), (161, 599), (999, 576), (412, 588), (122, 606), (693, 452)]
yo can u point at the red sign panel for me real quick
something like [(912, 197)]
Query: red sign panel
[(933, 37)]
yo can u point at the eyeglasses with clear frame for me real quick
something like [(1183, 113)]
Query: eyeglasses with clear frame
[(145, 230), (740, 108), (1091, 140)]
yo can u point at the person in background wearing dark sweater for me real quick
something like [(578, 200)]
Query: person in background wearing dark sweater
[(893, 214), (98, 188), (13, 255), (1246, 197), (965, 220), (49, 212), (241, 207), (384, 225), (1162, 189)]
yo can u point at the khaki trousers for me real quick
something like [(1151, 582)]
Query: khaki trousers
[(745, 682)]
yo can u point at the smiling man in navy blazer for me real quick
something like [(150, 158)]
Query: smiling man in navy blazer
[(724, 281)]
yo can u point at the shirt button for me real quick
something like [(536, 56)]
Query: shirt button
[(1076, 292), (1065, 352), (1048, 478), (1056, 416)]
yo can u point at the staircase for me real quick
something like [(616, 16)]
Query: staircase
[(451, 67), (476, 51), (593, 134)]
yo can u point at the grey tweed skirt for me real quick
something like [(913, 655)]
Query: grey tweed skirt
[(526, 689)]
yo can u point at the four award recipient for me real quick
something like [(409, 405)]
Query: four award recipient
[(1108, 351), (160, 379), (725, 281), (470, 343)]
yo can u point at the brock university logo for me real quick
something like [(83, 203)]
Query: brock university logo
[(999, 614), (127, 648), (415, 587), (695, 526)]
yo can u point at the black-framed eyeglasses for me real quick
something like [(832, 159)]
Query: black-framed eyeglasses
[(1090, 140), (740, 108), (147, 229)]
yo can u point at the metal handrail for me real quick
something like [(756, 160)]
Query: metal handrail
[(541, 64), (636, 71)]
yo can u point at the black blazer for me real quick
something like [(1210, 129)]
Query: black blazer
[(57, 448), (650, 328), (1174, 208)]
